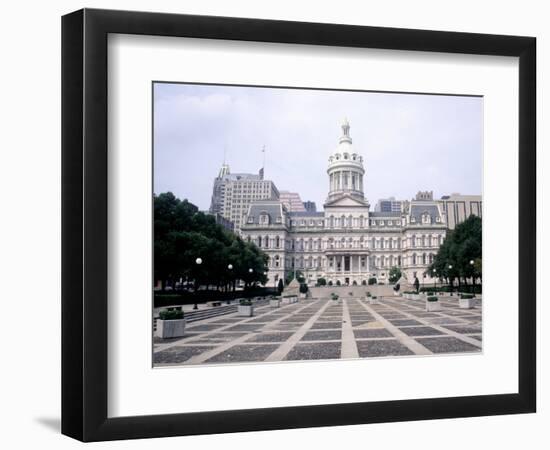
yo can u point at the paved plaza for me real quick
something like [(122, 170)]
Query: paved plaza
[(323, 329)]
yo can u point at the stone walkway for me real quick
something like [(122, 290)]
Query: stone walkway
[(321, 329)]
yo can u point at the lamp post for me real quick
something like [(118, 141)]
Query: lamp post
[(198, 262), (230, 268), (473, 275), (450, 279)]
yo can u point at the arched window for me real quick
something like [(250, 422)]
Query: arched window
[(259, 241), (277, 261), (431, 258), (277, 242), (423, 258), (399, 261), (266, 242), (414, 259)]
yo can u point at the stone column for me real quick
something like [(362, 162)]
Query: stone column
[(342, 263)]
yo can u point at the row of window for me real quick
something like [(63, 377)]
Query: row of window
[(343, 243), (336, 263)]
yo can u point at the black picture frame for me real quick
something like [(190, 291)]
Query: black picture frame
[(84, 224)]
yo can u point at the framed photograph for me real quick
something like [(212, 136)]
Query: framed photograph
[(273, 225)]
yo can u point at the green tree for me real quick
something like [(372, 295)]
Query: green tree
[(182, 234), (395, 274), (462, 246)]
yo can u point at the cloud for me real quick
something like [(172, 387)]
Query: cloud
[(409, 142)]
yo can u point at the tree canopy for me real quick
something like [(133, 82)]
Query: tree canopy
[(182, 234), (461, 247)]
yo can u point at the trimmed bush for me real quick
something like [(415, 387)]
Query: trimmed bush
[(372, 281), (321, 282), (171, 314), (247, 302), (467, 296), (334, 296), (303, 288), (432, 298)]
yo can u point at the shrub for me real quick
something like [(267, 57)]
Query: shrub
[(303, 288), (432, 298), (372, 281), (350, 294), (467, 296), (368, 294), (321, 282), (171, 314), (338, 283), (334, 296), (374, 297), (247, 302)]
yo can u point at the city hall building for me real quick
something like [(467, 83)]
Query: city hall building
[(346, 242)]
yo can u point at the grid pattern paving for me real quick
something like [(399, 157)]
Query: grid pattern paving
[(323, 329)]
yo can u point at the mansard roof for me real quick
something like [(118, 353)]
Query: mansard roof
[(273, 208), (417, 209), (306, 214), (385, 214)]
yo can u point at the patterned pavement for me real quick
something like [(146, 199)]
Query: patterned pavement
[(322, 329)]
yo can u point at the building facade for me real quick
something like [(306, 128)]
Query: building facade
[(292, 201), (346, 243), (458, 208), (388, 205), (234, 192)]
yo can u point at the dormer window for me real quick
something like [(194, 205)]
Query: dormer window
[(426, 218), (264, 219), (250, 219), (278, 219)]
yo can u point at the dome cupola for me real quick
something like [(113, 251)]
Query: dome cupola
[(345, 168)]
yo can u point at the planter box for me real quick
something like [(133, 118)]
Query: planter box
[(466, 303), (274, 303), (170, 328), (415, 296), (303, 294), (245, 310), (373, 301), (286, 300), (433, 306)]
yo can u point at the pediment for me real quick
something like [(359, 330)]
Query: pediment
[(347, 201)]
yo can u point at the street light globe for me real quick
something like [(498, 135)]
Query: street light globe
[(250, 270), (230, 266), (265, 273), (472, 262), (198, 260), (450, 266)]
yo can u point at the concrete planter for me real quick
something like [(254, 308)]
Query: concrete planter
[(274, 303), (170, 328), (303, 295), (433, 306), (466, 303), (373, 301), (415, 296), (286, 300), (245, 310)]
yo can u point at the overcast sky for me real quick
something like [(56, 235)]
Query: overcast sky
[(409, 142)]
